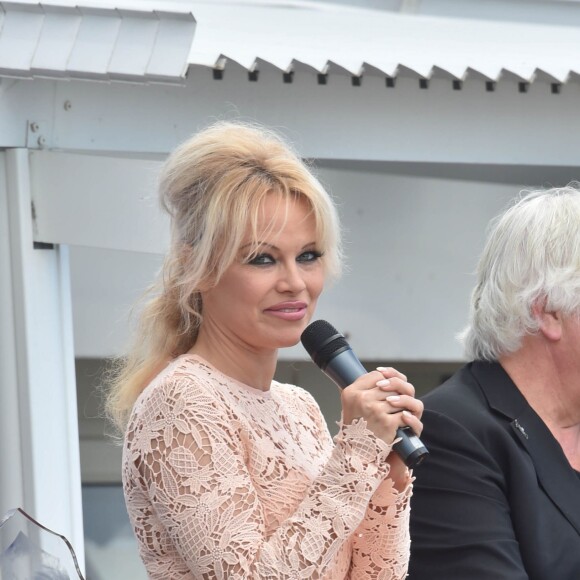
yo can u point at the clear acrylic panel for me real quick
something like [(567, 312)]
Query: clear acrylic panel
[(30, 551)]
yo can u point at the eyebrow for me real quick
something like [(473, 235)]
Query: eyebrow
[(259, 244)]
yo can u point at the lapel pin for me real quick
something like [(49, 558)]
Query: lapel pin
[(520, 428)]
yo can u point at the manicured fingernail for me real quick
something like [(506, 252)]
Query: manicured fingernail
[(382, 369), (407, 413), (393, 398), (383, 383)]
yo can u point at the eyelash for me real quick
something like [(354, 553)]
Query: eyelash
[(258, 260)]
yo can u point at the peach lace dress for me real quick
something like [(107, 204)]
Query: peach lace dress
[(222, 480)]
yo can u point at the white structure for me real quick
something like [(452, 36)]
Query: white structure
[(421, 124)]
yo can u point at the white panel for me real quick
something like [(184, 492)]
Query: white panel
[(333, 121), (64, 39), (94, 44), (97, 201), (411, 246), (56, 40), (106, 284), (19, 37), (134, 44), (172, 46)]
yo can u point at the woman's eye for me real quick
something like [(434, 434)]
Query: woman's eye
[(261, 260), (310, 256)]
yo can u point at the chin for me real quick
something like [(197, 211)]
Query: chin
[(288, 341)]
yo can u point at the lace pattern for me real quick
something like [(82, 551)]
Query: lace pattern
[(225, 481)]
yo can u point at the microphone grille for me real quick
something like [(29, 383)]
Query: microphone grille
[(321, 340)]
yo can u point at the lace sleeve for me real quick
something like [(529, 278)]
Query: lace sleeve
[(187, 455), (381, 547)]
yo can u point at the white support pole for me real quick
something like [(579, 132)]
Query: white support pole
[(38, 413), (11, 450)]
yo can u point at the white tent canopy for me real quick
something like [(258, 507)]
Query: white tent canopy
[(361, 42), (150, 41)]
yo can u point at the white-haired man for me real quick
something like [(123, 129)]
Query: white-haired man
[(499, 496)]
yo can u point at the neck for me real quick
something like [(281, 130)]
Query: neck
[(253, 368), (537, 375)]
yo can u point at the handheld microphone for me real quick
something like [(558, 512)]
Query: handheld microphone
[(331, 352)]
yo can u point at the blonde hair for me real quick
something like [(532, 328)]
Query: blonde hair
[(532, 253), (212, 187)]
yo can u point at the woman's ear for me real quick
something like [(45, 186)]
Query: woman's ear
[(549, 321)]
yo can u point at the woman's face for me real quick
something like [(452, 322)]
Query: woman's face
[(265, 302)]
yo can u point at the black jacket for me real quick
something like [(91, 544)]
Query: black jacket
[(496, 499)]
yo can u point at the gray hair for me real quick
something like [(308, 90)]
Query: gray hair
[(532, 253)]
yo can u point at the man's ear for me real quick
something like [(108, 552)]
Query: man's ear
[(550, 322)]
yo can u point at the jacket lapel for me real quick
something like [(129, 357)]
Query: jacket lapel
[(555, 474)]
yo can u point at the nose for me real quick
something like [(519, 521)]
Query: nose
[(291, 279)]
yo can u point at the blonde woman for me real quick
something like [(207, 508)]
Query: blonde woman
[(228, 473)]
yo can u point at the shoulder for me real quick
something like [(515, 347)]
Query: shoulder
[(184, 382), (461, 414), (461, 397), (459, 410)]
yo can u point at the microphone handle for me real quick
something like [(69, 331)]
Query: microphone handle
[(344, 368)]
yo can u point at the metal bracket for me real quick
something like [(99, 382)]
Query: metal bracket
[(36, 136)]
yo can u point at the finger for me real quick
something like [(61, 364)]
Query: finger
[(389, 372), (397, 385), (412, 422), (405, 402), (367, 382)]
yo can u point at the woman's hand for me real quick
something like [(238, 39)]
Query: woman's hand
[(385, 400)]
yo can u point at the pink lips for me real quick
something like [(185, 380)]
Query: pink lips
[(289, 310)]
